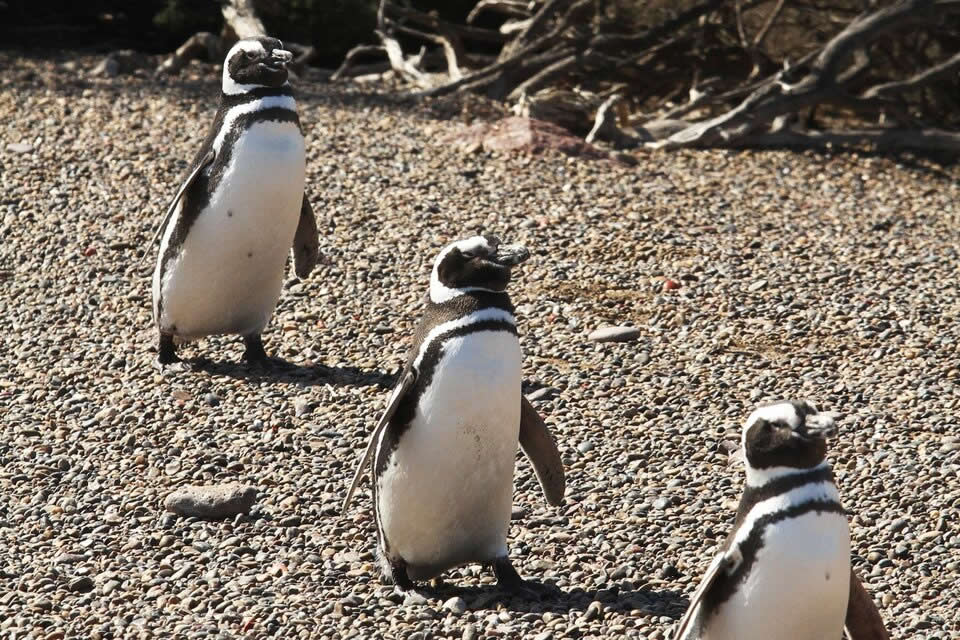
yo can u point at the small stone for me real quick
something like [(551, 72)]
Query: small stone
[(212, 502), (414, 599), (669, 572), (614, 334), (661, 503), (69, 558), (586, 446), (211, 399), (469, 632), (540, 393), (456, 604), (19, 147), (108, 67), (756, 286), (302, 407), (83, 584), (898, 525)]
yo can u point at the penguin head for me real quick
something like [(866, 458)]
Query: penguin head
[(788, 434), (480, 263), (253, 63)]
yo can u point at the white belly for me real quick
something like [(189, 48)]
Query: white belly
[(798, 587), (445, 498), (228, 274)]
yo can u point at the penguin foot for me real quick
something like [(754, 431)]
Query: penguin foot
[(510, 581), (166, 351), (398, 576), (255, 353)]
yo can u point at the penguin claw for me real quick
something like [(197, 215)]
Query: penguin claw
[(509, 581)]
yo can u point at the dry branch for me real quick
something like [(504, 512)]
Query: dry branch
[(869, 72), (239, 21)]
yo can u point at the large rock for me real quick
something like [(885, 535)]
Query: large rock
[(516, 133), (212, 502)]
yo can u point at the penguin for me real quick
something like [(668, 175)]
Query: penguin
[(226, 233), (442, 455), (784, 570)]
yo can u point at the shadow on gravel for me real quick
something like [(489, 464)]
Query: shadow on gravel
[(627, 598), (288, 373)]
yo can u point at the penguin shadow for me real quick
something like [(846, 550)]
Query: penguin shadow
[(282, 371), (624, 597)]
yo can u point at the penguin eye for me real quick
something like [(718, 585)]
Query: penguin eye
[(249, 55)]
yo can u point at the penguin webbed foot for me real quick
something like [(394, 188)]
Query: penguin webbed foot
[(255, 354), (397, 574), (509, 580), (167, 358)]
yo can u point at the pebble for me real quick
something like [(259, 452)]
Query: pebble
[(302, 407), (212, 502), (456, 605), (83, 584), (614, 334)]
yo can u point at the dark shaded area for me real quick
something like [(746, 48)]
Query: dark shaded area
[(160, 26)]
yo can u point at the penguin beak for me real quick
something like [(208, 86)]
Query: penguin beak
[(820, 425), (510, 255), (279, 58)]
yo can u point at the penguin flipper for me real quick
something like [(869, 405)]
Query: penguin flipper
[(863, 619), (203, 164), (541, 450), (306, 246), (722, 562), (402, 388)]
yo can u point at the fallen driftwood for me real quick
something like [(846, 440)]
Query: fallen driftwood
[(239, 21), (882, 78)]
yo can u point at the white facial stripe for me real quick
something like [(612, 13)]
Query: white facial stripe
[(806, 493), (472, 244), (759, 477), (483, 315), (780, 412), (439, 292), (286, 102)]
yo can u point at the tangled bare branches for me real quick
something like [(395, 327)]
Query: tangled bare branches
[(697, 73)]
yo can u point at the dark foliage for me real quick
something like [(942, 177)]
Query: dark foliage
[(160, 26)]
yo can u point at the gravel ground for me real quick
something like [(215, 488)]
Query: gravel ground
[(829, 277)]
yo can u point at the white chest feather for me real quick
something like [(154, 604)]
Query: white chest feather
[(798, 586), (227, 276), (445, 499)]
